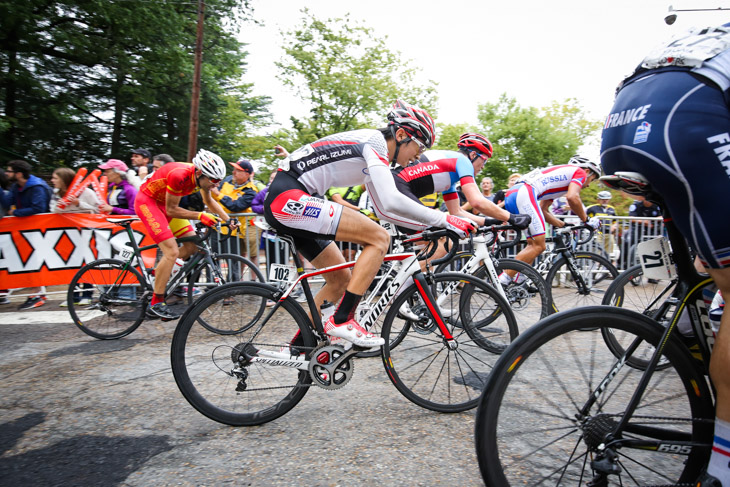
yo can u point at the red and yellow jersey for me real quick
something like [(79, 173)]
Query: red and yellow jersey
[(176, 178)]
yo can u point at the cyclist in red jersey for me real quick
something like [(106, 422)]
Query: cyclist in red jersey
[(158, 206)]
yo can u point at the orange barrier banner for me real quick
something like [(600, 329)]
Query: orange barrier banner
[(48, 249)]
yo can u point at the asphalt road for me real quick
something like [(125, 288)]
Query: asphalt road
[(79, 411)]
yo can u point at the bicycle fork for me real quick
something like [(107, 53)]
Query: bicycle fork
[(425, 291)]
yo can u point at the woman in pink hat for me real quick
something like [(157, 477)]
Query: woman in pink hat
[(121, 193)]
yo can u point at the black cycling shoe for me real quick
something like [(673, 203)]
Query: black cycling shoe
[(161, 311), (707, 480)]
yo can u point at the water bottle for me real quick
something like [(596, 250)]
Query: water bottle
[(176, 268)]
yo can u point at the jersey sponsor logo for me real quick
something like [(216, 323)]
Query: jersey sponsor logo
[(292, 207), (302, 165), (312, 211), (415, 171), (553, 179), (626, 117), (642, 133), (723, 151), (332, 211)]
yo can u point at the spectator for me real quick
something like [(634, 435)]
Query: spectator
[(499, 196), (235, 194), (276, 250), (86, 202), (348, 197), (121, 194), (610, 226), (157, 162), (141, 167), (28, 195), (487, 185), (640, 227), (4, 185)]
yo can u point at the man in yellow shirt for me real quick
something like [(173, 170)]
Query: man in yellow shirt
[(235, 193)]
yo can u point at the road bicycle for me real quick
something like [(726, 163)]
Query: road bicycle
[(561, 409), (120, 289), (439, 361), (575, 277), (528, 294)]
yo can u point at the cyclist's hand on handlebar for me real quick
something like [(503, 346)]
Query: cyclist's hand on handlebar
[(461, 226), (208, 219), (519, 221), (594, 222)]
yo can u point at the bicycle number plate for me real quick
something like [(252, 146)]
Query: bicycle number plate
[(389, 227), (655, 258), (282, 273), (126, 253)]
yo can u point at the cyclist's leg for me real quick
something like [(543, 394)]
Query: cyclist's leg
[(720, 361), (524, 202)]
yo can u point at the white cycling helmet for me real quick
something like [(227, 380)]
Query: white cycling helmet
[(586, 164), (604, 195), (211, 164)]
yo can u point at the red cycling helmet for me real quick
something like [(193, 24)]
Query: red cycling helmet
[(477, 143), (415, 121)]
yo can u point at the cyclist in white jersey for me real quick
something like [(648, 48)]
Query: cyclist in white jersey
[(534, 194), (294, 206)]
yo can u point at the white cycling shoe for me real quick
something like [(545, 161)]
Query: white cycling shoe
[(352, 332), (405, 312)]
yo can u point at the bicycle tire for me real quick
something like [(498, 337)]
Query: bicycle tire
[(631, 290), (530, 300), (204, 363), (234, 268), (597, 272), (530, 429), (417, 358), (115, 310)]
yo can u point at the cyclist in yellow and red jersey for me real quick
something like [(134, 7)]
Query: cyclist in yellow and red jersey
[(158, 206)]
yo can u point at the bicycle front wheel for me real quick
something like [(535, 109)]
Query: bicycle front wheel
[(557, 394), (106, 299), (431, 372), (220, 374), (584, 285)]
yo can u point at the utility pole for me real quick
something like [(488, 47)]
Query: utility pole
[(195, 97)]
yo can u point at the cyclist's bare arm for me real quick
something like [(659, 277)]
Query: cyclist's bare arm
[(452, 206), (574, 201), (213, 205), (549, 217), (477, 200)]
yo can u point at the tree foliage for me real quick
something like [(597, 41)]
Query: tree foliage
[(526, 138), (347, 76), (88, 79)]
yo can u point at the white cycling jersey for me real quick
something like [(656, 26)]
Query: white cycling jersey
[(354, 158), (553, 182)]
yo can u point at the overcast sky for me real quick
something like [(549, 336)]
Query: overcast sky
[(534, 50)]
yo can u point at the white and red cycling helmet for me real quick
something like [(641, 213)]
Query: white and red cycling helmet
[(586, 164), (415, 121), (210, 164), (477, 143)]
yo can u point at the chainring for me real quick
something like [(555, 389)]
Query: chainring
[(322, 376)]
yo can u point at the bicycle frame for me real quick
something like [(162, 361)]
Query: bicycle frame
[(686, 294)]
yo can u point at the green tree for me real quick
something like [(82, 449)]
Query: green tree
[(526, 138), (347, 76), (84, 80)]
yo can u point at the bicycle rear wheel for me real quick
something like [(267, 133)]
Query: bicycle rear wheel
[(420, 362), (116, 299), (631, 290), (557, 393), (568, 292), (214, 371)]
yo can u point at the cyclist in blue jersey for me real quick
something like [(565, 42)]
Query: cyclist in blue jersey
[(671, 123)]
